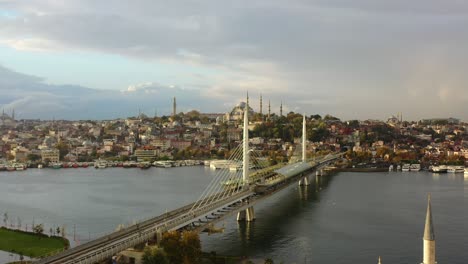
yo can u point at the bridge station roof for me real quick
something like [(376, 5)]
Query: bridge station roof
[(294, 169)]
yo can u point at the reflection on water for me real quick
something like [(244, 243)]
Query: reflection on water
[(346, 218), (6, 257)]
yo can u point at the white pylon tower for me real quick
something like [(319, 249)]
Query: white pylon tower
[(249, 213), (304, 135), (245, 170), (305, 179)]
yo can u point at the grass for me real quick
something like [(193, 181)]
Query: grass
[(30, 244)]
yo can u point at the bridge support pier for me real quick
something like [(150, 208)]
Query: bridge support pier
[(304, 181), (246, 215)]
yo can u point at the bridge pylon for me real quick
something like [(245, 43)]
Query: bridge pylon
[(305, 180), (246, 215)]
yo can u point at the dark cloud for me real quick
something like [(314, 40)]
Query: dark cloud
[(358, 59)]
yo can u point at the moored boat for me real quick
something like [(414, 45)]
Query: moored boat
[(415, 167), (406, 167)]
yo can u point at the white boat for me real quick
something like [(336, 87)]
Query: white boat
[(100, 164), (439, 169), (40, 166), (398, 168), (455, 169), (390, 168), (415, 167), (406, 167), (20, 166), (163, 164)]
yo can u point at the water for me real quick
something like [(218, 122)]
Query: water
[(346, 218)]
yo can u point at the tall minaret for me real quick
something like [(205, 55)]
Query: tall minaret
[(174, 107), (269, 109), (304, 135), (281, 109), (261, 105), (245, 167), (429, 237), (13, 114)]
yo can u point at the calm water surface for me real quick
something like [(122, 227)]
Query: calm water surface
[(346, 218)]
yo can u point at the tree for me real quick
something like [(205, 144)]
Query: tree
[(5, 219), (269, 261), (171, 244), (57, 231), (154, 255), (18, 220), (33, 157), (191, 247), (38, 229)]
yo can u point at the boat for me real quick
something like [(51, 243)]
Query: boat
[(415, 167), (439, 169), (20, 167), (390, 168), (144, 165), (85, 165), (163, 163), (10, 167), (466, 171), (100, 164), (455, 169), (56, 165), (40, 166), (398, 168), (406, 167), (75, 165)]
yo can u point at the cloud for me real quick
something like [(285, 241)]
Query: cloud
[(354, 59)]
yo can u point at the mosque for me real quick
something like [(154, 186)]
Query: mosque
[(6, 120)]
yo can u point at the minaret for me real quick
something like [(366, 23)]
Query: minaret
[(261, 105), (245, 171), (281, 109), (13, 114), (380, 261), (429, 237), (269, 109), (174, 107), (304, 135)]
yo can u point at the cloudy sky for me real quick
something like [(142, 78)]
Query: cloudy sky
[(360, 59)]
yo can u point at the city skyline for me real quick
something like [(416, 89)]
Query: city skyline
[(354, 60)]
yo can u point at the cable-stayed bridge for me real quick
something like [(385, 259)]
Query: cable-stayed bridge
[(236, 189)]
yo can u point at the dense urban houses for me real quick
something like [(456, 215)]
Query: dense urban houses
[(195, 135)]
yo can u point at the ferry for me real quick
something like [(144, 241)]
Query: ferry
[(415, 167), (406, 167), (163, 163), (455, 169), (439, 169)]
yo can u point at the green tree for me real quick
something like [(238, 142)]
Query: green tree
[(154, 255), (171, 244), (38, 229), (191, 246)]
